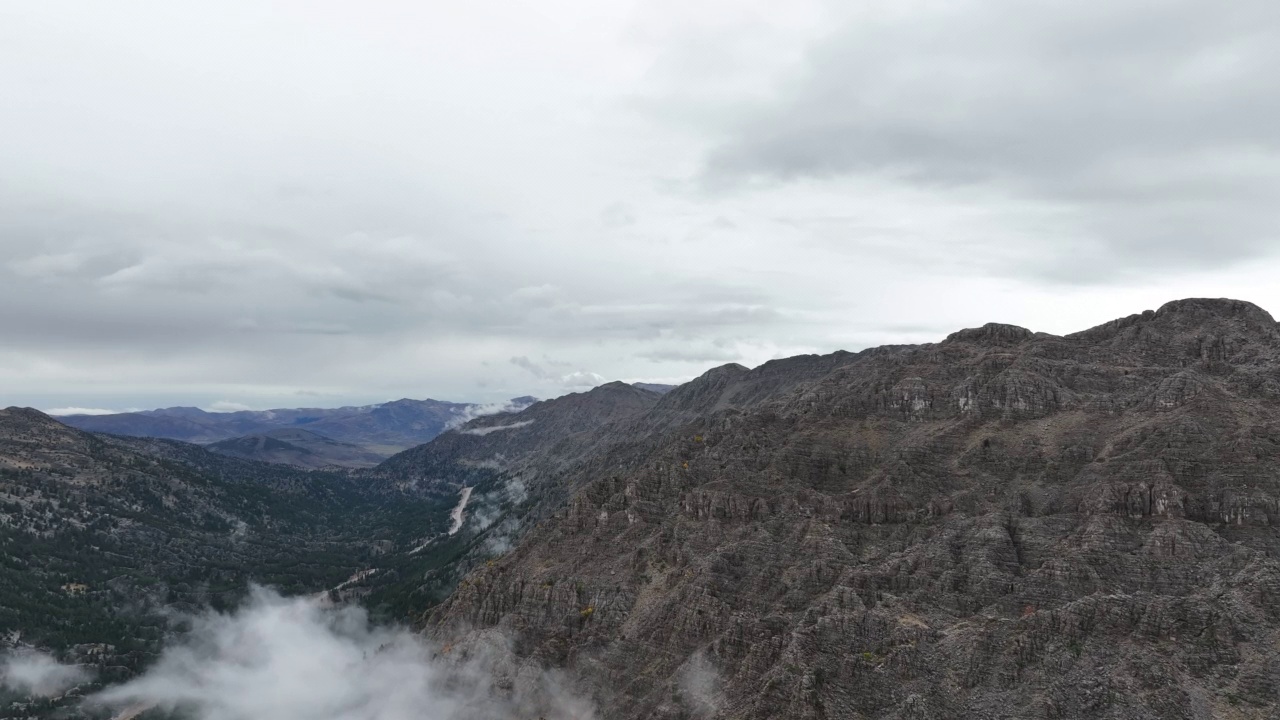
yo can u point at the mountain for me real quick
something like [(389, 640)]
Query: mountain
[(509, 466), (296, 447), (655, 387), (1004, 524), (103, 538), (378, 430)]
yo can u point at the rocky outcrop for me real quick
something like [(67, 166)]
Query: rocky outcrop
[(1006, 524)]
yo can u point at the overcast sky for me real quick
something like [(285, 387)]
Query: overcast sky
[(276, 204)]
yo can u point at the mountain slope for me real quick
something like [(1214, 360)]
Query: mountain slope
[(1005, 524), (296, 447), (102, 538), (508, 468)]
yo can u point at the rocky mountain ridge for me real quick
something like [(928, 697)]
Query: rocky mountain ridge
[(1005, 524)]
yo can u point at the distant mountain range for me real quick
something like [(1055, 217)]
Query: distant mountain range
[(352, 436), (393, 425)]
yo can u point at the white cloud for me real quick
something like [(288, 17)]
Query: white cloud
[(300, 659), (582, 380), (576, 380), (79, 411), (226, 406), (496, 428), (36, 673), (700, 685), (471, 412)]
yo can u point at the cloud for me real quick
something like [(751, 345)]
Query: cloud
[(576, 380), (502, 537), (1127, 135), (496, 428), (633, 190), (700, 685), (535, 369), (79, 411), (301, 659), (501, 540), (582, 380), (38, 674), (618, 215), (226, 406), (471, 412)]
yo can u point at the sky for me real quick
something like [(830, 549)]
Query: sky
[(254, 204)]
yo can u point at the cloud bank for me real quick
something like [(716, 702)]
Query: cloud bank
[(298, 659), (525, 200), (79, 411)]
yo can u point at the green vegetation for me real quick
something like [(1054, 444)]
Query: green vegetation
[(105, 541)]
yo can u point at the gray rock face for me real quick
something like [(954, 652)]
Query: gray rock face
[(1005, 524), (510, 466)]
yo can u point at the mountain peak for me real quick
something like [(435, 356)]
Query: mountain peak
[(726, 370), (25, 411), (992, 334), (27, 416), (1215, 307), (1189, 319)]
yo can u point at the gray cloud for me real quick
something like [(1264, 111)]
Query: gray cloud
[(391, 201), (1141, 133), (574, 380), (35, 673)]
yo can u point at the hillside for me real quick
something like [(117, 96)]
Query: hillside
[(296, 447), (103, 538), (511, 467), (1005, 524)]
